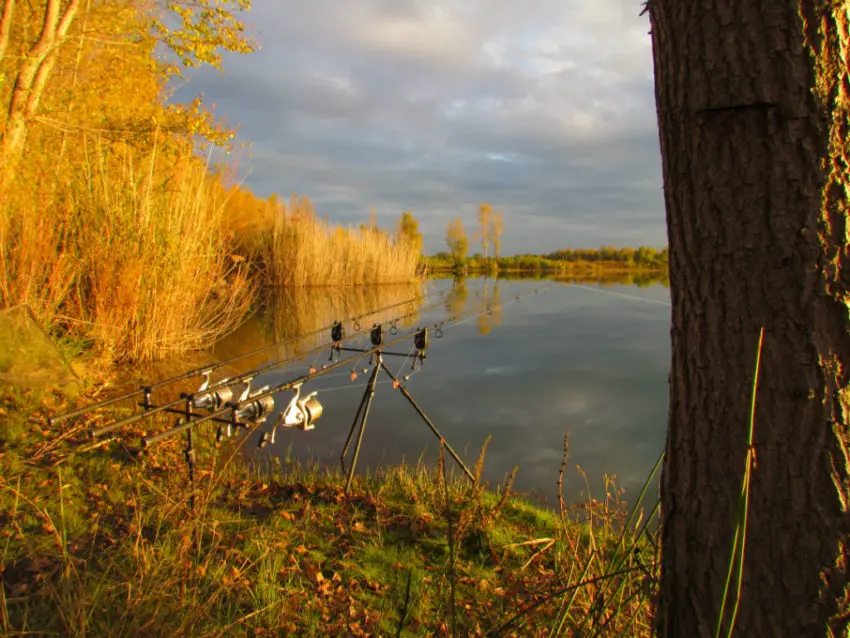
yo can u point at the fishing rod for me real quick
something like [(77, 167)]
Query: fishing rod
[(221, 392), (302, 411), (146, 390), (255, 406)]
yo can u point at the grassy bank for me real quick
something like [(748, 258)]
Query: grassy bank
[(98, 540)]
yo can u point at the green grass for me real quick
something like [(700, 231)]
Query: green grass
[(736, 555), (96, 541)]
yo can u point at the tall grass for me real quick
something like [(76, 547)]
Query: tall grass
[(739, 542), (141, 251), (306, 251), (126, 249), (113, 546)]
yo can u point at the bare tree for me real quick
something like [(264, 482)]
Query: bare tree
[(497, 227), (485, 219)]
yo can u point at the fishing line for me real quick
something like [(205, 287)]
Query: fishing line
[(353, 386), (405, 360), (146, 390), (489, 309), (618, 294), (223, 384), (254, 407)]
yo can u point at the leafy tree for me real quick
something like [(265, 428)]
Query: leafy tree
[(39, 34), (754, 119), (457, 241), (644, 255), (408, 230)]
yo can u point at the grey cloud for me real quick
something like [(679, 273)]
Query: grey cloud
[(545, 110)]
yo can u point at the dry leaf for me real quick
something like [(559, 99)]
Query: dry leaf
[(313, 573)]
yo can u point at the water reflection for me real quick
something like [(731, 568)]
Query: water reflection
[(566, 360), (289, 315)]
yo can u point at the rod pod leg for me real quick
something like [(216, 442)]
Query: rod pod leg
[(370, 393), (353, 427), (430, 423)]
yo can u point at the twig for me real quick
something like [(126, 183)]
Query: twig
[(537, 541), (537, 553), (590, 581), (256, 612)]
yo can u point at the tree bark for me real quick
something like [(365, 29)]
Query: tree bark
[(752, 99), (6, 25)]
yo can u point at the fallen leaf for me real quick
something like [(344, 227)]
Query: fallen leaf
[(313, 573)]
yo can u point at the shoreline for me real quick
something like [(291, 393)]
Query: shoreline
[(284, 549)]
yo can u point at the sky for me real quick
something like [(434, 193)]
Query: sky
[(543, 108)]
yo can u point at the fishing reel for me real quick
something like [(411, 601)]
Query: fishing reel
[(256, 411), (212, 400), (302, 413)]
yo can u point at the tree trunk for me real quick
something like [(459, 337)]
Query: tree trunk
[(6, 25), (32, 75), (753, 99)]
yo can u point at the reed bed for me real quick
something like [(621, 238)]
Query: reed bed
[(307, 251), (129, 255), (144, 254)]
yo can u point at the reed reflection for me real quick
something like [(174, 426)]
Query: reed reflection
[(295, 318)]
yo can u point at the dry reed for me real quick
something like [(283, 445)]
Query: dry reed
[(306, 251), (126, 249)]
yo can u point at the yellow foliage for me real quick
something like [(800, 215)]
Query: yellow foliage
[(110, 225)]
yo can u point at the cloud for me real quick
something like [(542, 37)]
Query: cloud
[(544, 109)]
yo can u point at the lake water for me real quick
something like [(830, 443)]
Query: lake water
[(590, 359)]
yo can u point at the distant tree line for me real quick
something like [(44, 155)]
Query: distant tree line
[(643, 255), (489, 233)]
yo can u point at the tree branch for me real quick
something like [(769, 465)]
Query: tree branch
[(6, 25)]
